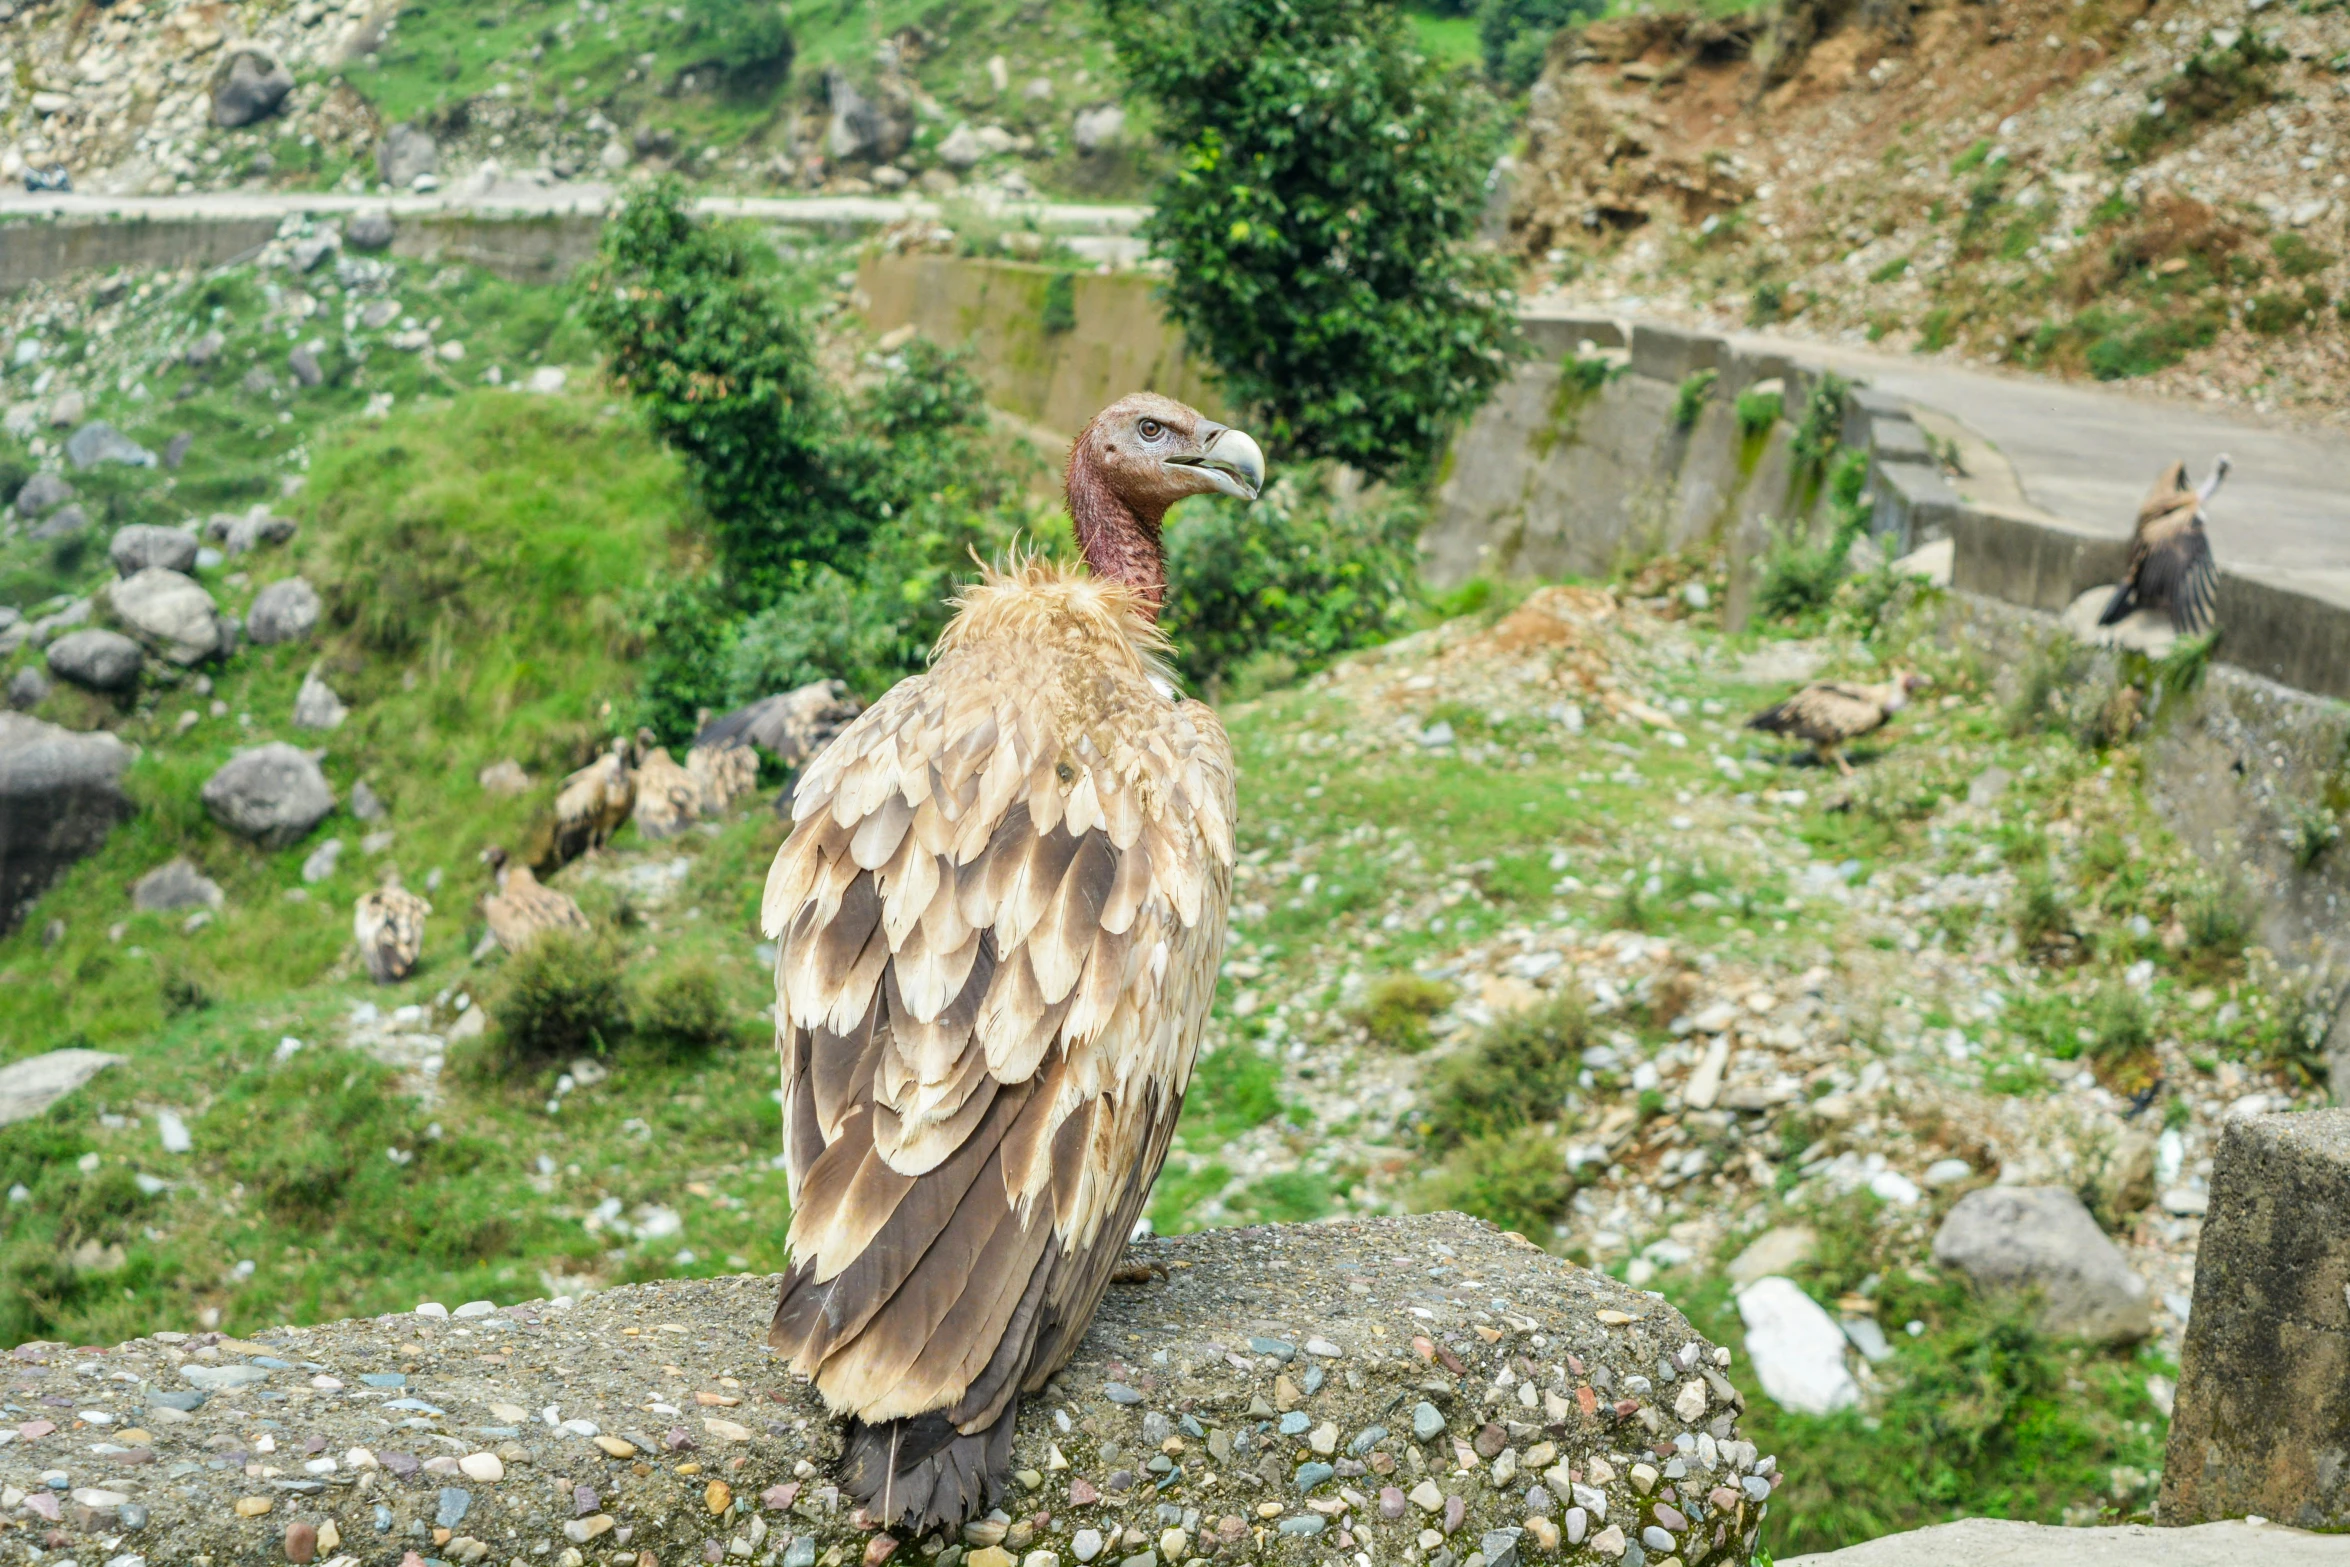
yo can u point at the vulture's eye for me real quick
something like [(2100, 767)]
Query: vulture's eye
[(1152, 430)]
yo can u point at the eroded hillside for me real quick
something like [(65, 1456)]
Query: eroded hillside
[(2099, 188)]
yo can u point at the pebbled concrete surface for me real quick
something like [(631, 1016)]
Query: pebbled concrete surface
[(1996, 1542)]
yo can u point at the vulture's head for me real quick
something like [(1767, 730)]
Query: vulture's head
[(1148, 452), (1906, 681)]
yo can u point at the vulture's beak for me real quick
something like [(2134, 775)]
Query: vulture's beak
[(1228, 460)]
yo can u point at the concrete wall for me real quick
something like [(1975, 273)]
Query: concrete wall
[(1055, 380), (33, 250)]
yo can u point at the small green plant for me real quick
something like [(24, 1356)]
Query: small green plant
[(559, 997), (1628, 910), (1821, 428), (1690, 400), (1938, 330), (2316, 829), (1396, 1011), (2119, 1022), (1516, 1179), (2217, 917), (2279, 311), (1890, 270), (2216, 83), (1516, 1073), (2297, 257), (1758, 411), (1059, 312), (2041, 912), (1971, 159), (1766, 304), (1802, 570), (684, 1013)]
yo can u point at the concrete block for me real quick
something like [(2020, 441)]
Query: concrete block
[(2294, 638), (1913, 506), (1669, 354), (2032, 561), (2001, 1542), (1742, 367), (1898, 440), (2262, 1423), (1864, 407), (1555, 335)]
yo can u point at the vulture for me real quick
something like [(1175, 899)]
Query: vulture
[(1831, 714), (668, 798), (521, 910), (721, 773), (592, 804), (389, 923), (790, 726), (2170, 555), (998, 917)]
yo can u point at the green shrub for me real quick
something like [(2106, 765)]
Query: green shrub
[(1396, 1011), (684, 1013), (1971, 159), (1766, 304), (2041, 911), (2297, 257), (2126, 345), (1060, 303), (2279, 311), (1303, 573), (747, 39), (1515, 1073), (2215, 84), (559, 997), (1758, 412), (1516, 1179), (1802, 570), (1690, 400), (1515, 35), (1321, 219), (1821, 429), (2119, 1022), (2218, 920)]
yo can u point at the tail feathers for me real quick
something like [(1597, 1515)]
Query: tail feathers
[(1771, 720), (2125, 599), (924, 1473)]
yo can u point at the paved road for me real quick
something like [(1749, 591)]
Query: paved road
[(2088, 454)]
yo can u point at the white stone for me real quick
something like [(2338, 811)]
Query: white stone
[(1948, 1172), (1797, 1349), (484, 1467), (32, 1085)]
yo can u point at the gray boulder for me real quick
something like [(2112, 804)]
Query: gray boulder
[(369, 231), (74, 613), (238, 534), (42, 494), (248, 86), (175, 451), (2041, 1240), (406, 152), (316, 706), (60, 795), (862, 129), (27, 688), (1097, 128), (61, 523), (32, 1085), (273, 794), (174, 885), (98, 442), (143, 544), (97, 660), (306, 367), (204, 350), (169, 612), (285, 611)]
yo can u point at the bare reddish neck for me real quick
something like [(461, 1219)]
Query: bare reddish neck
[(1117, 542)]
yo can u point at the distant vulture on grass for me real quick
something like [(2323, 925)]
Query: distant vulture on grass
[(668, 798), (2170, 566), (998, 918), (722, 773), (389, 923), (1831, 714), (521, 910), (592, 804)]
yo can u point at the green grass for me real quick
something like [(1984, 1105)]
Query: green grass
[(1449, 40)]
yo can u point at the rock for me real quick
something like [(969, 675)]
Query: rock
[(1778, 1250), (259, 382), (2010, 1239), (144, 544), (861, 130), (254, 529), (96, 660), (174, 885), (175, 451), (204, 350), (27, 688), (962, 148), (49, 628), (64, 522), (32, 1085), (320, 863), (98, 442), (365, 803), (1097, 128), (67, 411), (284, 611), (1999, 1542), (369, 231), (248, 85), (305, 366), (273, 794), (1796, 1348), (2263, 1399), (317, 707), (42, 494), (406, 153), (791, 726), (503, 777), (1948, 1172), (169, 612)]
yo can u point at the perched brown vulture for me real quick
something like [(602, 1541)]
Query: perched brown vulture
[(999, 916), (521, 910), (722, 773), (2170, 555), (1831, 714), (389, 923), (592, 804), (668, 798)]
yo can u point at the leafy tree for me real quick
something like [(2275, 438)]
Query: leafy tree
[(748, 39), (698, 330), (1516, 35), (1319, 220)]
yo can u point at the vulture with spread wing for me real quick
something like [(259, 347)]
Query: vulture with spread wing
[(999, 917), (2170, 555), (1831, 714)]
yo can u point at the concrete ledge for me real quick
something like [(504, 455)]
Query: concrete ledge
[(2030, 561), (2262, 1423), (652, 1423), (1556, 335), (1998, 1542), (1667, 353)]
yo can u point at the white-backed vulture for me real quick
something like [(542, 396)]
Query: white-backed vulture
[(722, 773), (592, 804), (1831, 714), (999, 917), (668, 798), (521, 910), (2171, 567), (389, 925)]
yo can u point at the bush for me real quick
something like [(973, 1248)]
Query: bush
[(2215, 84), (684, 1013), (1516, 1073), (1515, 1179), (1801, 571), (1329, 184), (1690, 400), (1758, 412), (559, 997), (1515, 35), (1303, 573), (747, 39), (1396, 1011)]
